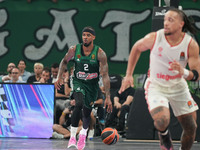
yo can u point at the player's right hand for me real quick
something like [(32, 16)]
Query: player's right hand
[(126, 82), (58, 83)]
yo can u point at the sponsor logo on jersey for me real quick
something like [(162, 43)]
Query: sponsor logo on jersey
[(92, 60), (86, 76), (160, 49), (167, 77), (92, 76), (93, 56), (79, 56), (190, 104), (182, 56)]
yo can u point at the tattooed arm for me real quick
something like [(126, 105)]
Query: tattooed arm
[(105, 77), (63, 66)]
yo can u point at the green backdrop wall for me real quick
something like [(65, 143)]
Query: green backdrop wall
[(42, 31)]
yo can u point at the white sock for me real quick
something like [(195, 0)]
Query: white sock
[(91, 133), (73, 131), (83, 131)]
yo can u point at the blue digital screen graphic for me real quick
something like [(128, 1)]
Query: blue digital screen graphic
[(26, 110)]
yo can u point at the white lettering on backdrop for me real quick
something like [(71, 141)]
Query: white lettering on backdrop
[(62, 20), (122, 22), (3, 34)]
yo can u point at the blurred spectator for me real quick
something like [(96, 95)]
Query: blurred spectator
[(65, 89), (101, 110), (45, 76), (14, 76), (62, 130), (62, 95), (100, 104), (122, 104), (115, 84), (23, 73), (54, 72), (9, 68), (38, 67)]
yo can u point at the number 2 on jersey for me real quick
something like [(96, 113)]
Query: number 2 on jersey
[(85, 67)]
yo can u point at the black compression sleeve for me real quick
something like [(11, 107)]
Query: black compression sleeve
[(196, 75)]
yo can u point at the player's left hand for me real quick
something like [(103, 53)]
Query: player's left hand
[(176, 67), (108, 103)]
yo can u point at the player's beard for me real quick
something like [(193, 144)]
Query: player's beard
[(168, 33), (87, 44)]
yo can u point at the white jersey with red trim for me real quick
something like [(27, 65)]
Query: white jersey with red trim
[(162, 55)]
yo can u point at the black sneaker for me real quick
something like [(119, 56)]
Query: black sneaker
[(165, 141)]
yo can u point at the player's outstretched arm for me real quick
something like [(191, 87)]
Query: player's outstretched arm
[(141, 45), (63, 66), (105, 77)]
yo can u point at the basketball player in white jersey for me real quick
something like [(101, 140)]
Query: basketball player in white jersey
[(171, 48)]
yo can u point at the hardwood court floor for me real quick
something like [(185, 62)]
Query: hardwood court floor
[(95, 144)]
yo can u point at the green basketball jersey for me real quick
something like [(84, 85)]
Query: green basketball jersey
[(86, 74), (86, 67)]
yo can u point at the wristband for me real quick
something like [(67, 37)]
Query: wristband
[(185, 73), (63, 113)]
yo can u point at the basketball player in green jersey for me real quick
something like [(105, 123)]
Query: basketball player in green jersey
[(90, 60)]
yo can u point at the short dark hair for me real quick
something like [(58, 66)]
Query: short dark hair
[(55, 65), (22, 60), (46, 69)]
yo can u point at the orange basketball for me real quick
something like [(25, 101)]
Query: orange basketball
[(109, 136)]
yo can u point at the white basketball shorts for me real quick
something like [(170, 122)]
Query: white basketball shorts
[(177, 96)]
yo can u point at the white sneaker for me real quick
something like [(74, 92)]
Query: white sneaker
[(90, 134), (56, 135)]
